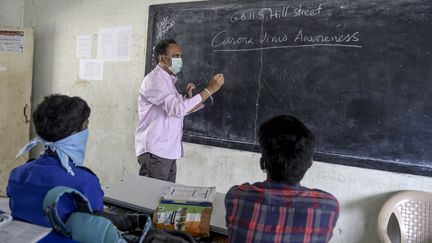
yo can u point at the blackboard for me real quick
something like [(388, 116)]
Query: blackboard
[(358, 73)]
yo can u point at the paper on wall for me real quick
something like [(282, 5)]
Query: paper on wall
[(114, 44), (91, 69), (11, 41), (83, 46)]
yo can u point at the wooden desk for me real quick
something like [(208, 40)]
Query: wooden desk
[(143, 194)]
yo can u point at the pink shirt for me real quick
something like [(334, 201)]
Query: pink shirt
[(161, 110)]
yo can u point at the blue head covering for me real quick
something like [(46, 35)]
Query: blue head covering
[(72, 147)]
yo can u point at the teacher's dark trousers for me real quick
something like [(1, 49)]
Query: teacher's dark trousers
[(156, 167)]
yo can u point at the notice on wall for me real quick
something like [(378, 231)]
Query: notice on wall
[(114, 44), (11, 41), (83, 46), (91, 69)]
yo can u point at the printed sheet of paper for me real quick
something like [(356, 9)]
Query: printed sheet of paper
[(91, 69), (11, 41), (83, 46), (18, 232), (190, 193), (114, 44)]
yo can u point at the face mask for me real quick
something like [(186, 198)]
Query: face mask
[(72, 147), (176, 65)]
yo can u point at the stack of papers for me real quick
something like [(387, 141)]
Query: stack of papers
[(186, 208)]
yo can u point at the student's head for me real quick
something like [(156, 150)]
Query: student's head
[(59, 116), (287, 149), (165, 50)]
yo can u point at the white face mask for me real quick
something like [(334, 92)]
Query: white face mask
[(176, 65)]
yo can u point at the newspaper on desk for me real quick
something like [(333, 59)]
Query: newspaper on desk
[(14, 231), (186, 208)]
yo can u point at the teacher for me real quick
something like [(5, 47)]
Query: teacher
[(161, 109)]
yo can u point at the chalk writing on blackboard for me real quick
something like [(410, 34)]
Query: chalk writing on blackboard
[(225, 41), (163, 27), (275, 13)]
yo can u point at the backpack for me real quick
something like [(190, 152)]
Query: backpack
[(172, 236), (152, 235), (83, 225)]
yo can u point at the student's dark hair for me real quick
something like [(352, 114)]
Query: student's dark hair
[(59, 116), (161, 48), (287, 148)]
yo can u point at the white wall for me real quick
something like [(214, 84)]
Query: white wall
[(114, 115), (11, 13)]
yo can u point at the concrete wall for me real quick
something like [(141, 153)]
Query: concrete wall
[(11, 13), (114, 115)]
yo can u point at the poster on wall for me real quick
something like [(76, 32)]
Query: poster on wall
[(91, 69), (11, 41), (83, 46), (114, 44)]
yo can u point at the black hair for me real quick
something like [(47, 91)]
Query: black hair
[(161, 48), (287, 147), (59, 116)]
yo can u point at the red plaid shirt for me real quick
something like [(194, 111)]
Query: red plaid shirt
[(277, 212)]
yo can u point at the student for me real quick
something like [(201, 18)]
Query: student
[(280, 209), (61, 125), (161, 110)]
